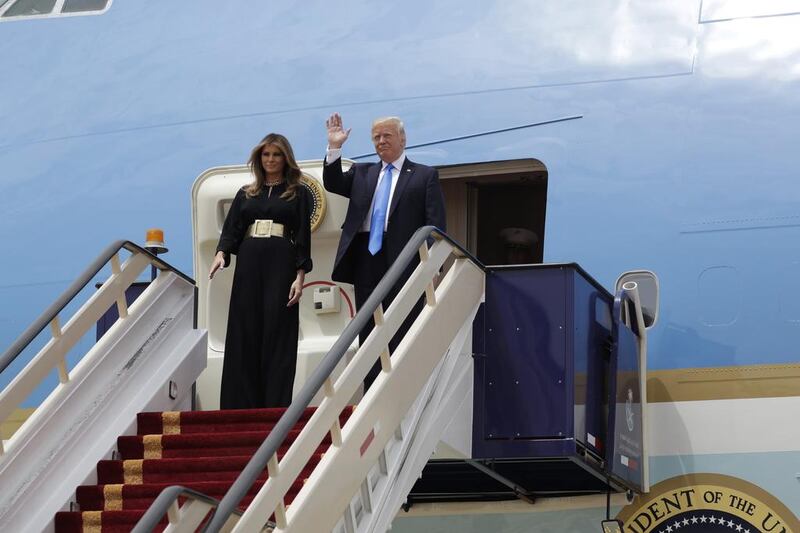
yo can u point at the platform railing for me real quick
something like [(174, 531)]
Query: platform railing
[(628, 308), (53, 356), (372, 424)]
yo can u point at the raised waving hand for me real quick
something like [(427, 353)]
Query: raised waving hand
[(337, 135)]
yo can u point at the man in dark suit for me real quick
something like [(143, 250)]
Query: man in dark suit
[(389, 201)]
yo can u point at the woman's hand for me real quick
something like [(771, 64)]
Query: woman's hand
[(296, 290), (217, 264)]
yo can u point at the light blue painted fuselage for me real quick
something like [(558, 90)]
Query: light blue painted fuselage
[(684, 161)]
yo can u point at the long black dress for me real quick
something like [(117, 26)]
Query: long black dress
[(261, 340)]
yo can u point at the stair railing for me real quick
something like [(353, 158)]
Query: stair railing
[(325, 420), (64, 338), (633, 317)]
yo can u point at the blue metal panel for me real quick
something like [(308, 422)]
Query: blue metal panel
[(552, 448), (624, 455), (525, 354), (545, 375), (592, 338), (545, 350), (111, 316), (479, 372)]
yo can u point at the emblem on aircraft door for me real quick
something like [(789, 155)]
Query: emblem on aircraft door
[(320, 203)]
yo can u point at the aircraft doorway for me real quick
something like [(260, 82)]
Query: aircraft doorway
[(497, 209)]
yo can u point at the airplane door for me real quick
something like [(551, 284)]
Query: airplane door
[(497, 209)]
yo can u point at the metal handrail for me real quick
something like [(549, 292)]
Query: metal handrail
[(270, 446), (69, 294), (167, 497), (623, 298)]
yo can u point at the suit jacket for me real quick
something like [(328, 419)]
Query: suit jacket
[(417, 202)]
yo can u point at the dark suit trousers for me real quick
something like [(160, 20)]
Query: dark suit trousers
[(369, 269)]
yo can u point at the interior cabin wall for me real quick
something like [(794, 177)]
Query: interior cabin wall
[(497, 216)]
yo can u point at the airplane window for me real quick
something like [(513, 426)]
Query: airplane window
[(10, 9), (30, 7), (75, 6)]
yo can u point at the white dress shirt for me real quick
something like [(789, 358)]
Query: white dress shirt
[(335, 153)]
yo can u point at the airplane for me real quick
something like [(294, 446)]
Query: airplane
[(653, 137)]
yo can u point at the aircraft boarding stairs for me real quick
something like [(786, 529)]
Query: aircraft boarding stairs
[(147, 361), (344, 468)]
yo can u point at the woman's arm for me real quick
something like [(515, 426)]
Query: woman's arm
[(232, 230), (296, 290), (218, 263)]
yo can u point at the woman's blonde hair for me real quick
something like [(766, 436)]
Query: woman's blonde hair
[(291, 171)]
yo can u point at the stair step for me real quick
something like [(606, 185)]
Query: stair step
[(182, 422), (97, 521), (211, 445), (179, 470), (133, 497)]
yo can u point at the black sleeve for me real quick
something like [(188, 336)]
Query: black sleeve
[(233, 229), (335, 180), (434, 203), (302, 237)]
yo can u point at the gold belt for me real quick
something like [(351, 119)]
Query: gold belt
[(265, 228)]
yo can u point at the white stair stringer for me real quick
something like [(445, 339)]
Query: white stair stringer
[(421, 430), (127, 371)]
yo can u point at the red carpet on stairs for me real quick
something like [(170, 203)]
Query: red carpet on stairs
[(201, 450)]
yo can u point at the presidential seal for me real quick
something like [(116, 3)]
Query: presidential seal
[(700, 503), (320, 203)]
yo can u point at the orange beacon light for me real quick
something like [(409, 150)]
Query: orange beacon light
[(154, 243)]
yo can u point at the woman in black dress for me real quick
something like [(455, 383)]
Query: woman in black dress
[(268, 229)]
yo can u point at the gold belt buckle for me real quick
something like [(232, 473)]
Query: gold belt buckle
[(264, 228)]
